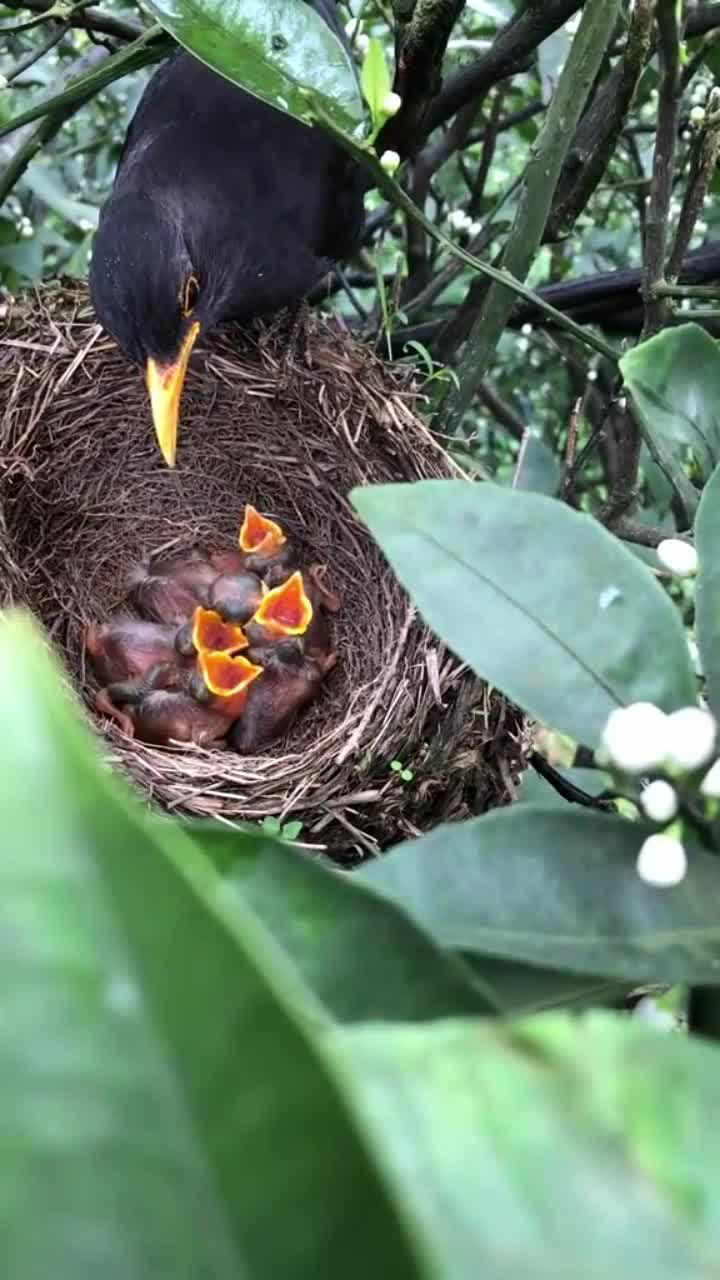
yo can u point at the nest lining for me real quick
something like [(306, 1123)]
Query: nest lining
[(290, 421)]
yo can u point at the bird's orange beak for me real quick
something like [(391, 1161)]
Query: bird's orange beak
[(258, 535), (286, 610), (165, 384), (211, 632), (226, 676)]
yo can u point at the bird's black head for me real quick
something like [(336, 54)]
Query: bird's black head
[(150, 295)]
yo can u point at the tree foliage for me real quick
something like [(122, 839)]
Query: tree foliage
[(220, 1057)]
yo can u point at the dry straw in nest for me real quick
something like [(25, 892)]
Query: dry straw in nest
[(291, 426)]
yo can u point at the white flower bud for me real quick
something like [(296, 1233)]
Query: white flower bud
[(648, 1010), (458, 219), (662, 861), (659, 801), (677, 556), (526, 329), (362, 43), (636, 738), (4, 82), (390, 161), (692, 738), (710, 785), (391, 104), (697, 114)]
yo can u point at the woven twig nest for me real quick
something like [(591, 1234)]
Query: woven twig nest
[(292, 430)]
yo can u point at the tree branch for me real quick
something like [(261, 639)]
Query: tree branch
[(29, 146), (597, 134), (510, 52), (423, 31), (95, 20), (656, 236), (541, 175)]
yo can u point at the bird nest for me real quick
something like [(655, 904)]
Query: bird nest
[(290, 422)]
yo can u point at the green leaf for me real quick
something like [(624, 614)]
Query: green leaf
[(557, 889), (375, 79), (540, 600), (707, 591), (272, 826), (568, 1147), (359, 954), (674, 379), (163, 1109), (522, 989), (291, 830), (283, 51)]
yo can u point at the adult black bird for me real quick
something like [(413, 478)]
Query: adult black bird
[(222, 208)]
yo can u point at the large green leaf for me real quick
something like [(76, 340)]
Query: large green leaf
[(540, 600), (283, 51), (707, 595), (361, 955), (575, 1147), (558, 889), (674, 379), (162, 1110)]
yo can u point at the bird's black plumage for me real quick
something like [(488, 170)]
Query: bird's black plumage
[(222, 208)]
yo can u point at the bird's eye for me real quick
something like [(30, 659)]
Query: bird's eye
[(190, 295)]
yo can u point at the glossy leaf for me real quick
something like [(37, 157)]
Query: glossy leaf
[(523, 989), (570, 1147), (707, 593), (674, 379), (163, 1111), (360, 955), (557, 889), (540, 600), (288, 52)]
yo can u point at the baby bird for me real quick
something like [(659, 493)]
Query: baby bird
[(263, 549), (169, 588), (226, 681), (295, 608), (208, 631), (290, 682), (123, 648), (166, 715), (236, 596)]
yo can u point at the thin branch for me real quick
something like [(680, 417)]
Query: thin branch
[(37, 53), (401, 200), (105, 24), (541, 175), (509, 53), (597, 134), (669, 33), (148, 48), (29, 146), (703, 160)]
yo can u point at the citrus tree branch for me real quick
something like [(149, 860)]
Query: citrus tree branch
[(539, 183)]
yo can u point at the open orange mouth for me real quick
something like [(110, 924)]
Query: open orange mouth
[(211, 633), (286, 610), (227, 676), (258, 535)]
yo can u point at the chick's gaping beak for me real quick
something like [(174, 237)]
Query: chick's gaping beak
[(165, 384)]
